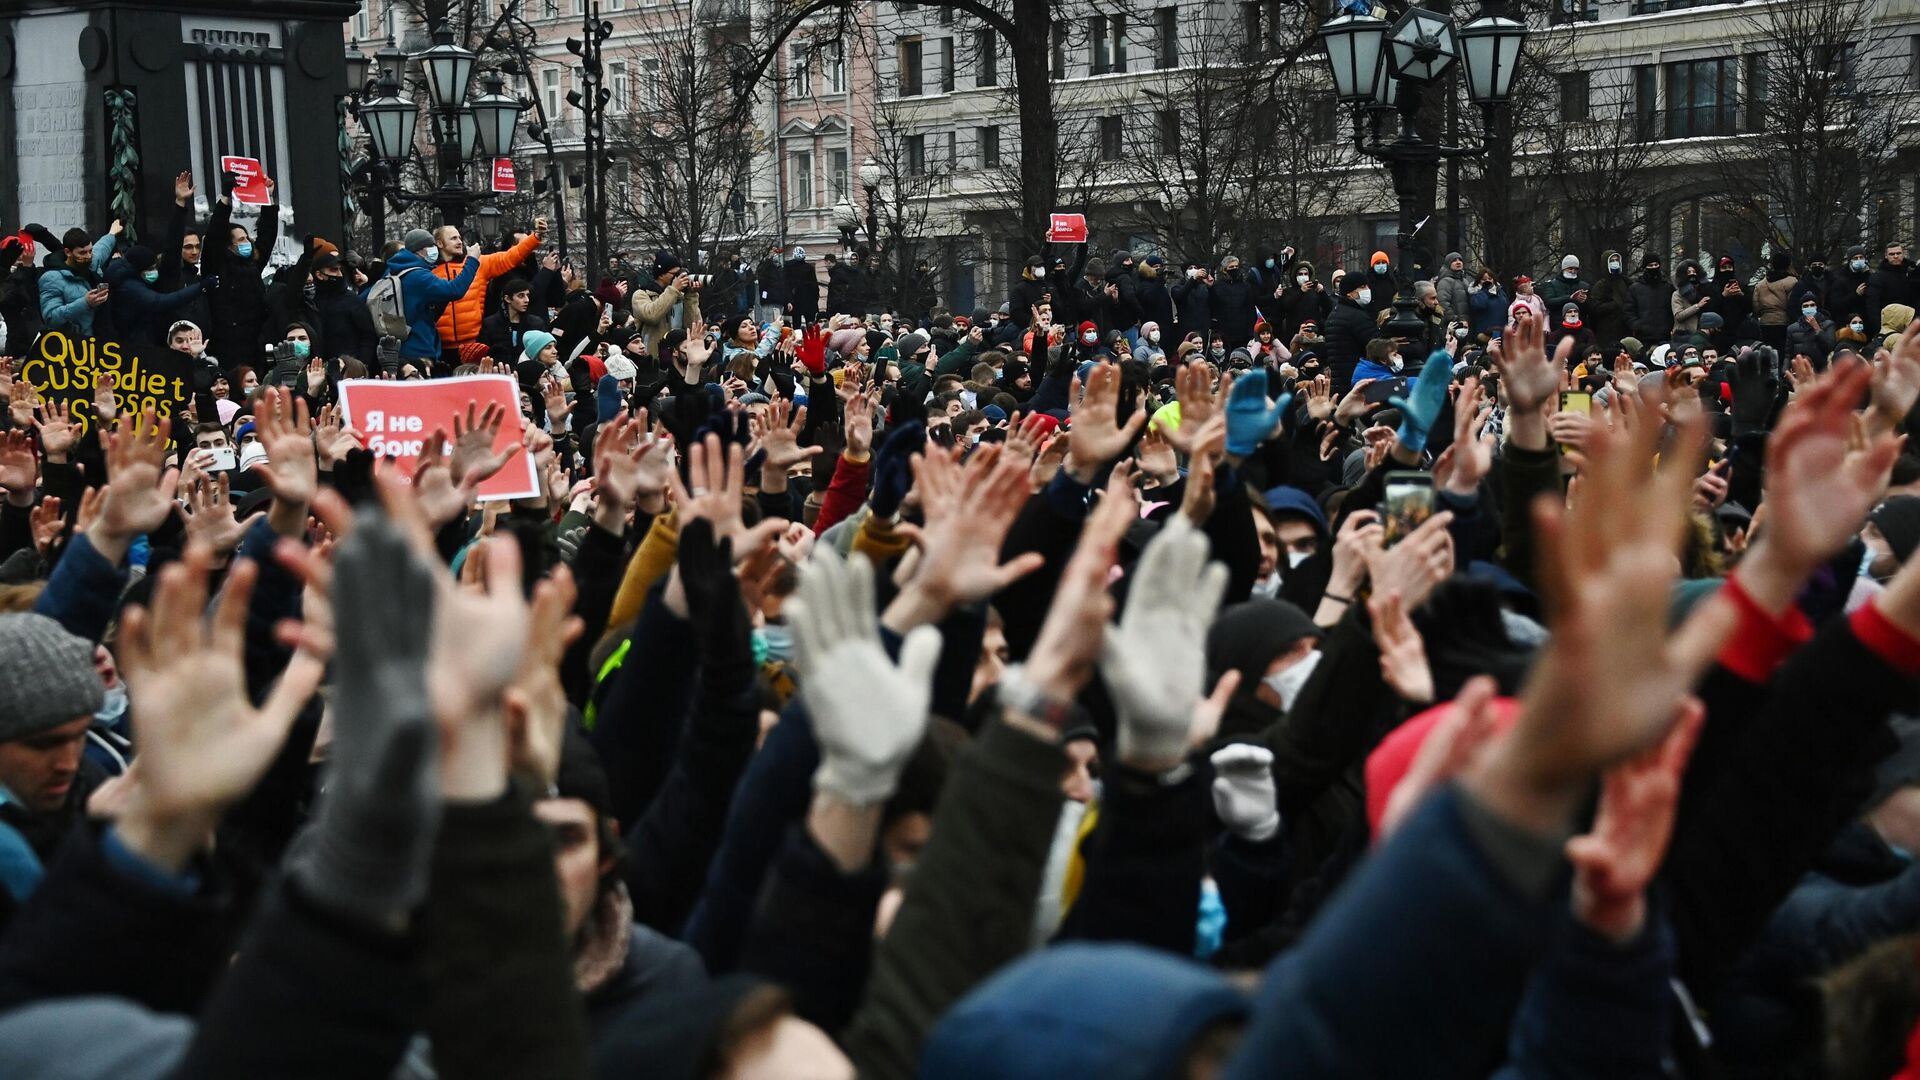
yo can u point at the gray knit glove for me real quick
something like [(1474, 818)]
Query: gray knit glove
[(366, 852)]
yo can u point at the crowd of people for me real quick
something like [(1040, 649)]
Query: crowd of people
[(1179, 671)]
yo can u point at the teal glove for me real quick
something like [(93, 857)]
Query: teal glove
[(1249, 418), (1419, 409)]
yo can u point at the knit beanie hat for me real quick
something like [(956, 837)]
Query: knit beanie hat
[(533, 342), (50, 677), (417, 240), (1898, 519), (140, 258)]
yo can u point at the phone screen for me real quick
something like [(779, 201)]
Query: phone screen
[(1408, 502)]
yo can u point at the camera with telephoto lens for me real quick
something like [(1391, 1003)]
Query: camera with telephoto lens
[(700, 281)]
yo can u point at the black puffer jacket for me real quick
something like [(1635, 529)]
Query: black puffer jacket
[(1348, 330)]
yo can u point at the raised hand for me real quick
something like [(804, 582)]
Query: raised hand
[(857, 424), (57, 433), (1075, 630), (630, 465), (19, 467), (536, 702), (1403, 655), (1412, 568), (1154, 660), (1819, 489), (716, 482), (439, 498), (1354, 405), (1244, 795), (868, 713), (139, 495), (1470, 457), (1616, 860), (969, 512), (105, 406), (292, 469), (1606, 569), (1521, 357), (473, 460), (209, 515), (1320, 403), (784, 425), (1251, 420), (1098, 435), (1199, 401), (203, 746), (48, 525)]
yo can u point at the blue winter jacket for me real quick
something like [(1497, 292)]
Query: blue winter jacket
[(422, 296), (63, 293)]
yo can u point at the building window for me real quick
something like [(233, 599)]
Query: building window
[(1913, 61), (946, 64), (916, 155), (550, 8), (1646, 102), (651, 91), (953, 150), (986, 57), (1755, 81), (989, 139), (839, 175), (1573, 97), (833, 64), (1060, 49), (550, 86), (1323, 119), (799, 71), (1169, 37), (1110, 139), (1574, 11), (620, 86), (363, 21), (910, 68), (1107, 44), (1701, 98), (390, 19), (800, 178), (1250, 29), (579, 7), (1167, 122)]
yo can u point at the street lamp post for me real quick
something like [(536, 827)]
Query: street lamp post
[(460, 130), (1380, 67), (591, 99), (846, 219)]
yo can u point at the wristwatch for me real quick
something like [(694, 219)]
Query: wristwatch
[(1018, 694)]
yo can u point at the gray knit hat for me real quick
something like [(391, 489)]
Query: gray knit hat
[(50, 677), (910, 345), (417, 240)]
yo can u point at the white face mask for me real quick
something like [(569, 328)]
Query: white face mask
[(1396, 362), (1365, 295), (1302, 278), (1039, 272), (1295, 558), (1570, 274), (1153, 336), (1613, 268), (1288, 682)]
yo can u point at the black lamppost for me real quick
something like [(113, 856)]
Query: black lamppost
[(591, 99), (1380, 67), (460, 130)]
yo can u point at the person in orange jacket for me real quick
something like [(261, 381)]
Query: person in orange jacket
[(460, 320)]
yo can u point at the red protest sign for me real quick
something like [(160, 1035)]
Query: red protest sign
[(398, 418), (1067, 229), (249, 179), (504, 182)]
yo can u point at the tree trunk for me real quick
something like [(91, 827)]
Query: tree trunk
[(1039, 141)]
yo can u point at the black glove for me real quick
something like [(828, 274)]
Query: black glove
[(388, 354), (1754, 387)]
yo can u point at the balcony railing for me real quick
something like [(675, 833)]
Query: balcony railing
[(1688, 122)]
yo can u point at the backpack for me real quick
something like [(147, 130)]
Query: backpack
[(388, 307)]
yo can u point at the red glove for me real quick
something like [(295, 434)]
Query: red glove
[(813, 350)]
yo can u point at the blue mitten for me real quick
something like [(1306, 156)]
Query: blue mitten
[(893, 467), (1250, 420), (1421, 407)]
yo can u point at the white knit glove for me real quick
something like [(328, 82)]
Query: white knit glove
[(868, 714), (1155, 660), (1243, 792)]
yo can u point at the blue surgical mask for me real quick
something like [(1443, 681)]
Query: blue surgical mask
[(244, 249), (113, 707), (777, 640), (301, 349), (150, 276), (1809, 312)]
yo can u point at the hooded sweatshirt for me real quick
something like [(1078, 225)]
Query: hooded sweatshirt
[(421, 296)]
